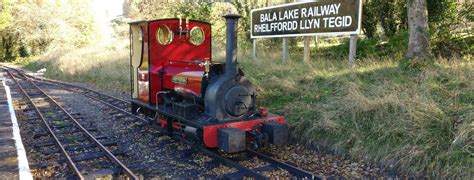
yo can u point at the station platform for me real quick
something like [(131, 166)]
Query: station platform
[(13, 161)]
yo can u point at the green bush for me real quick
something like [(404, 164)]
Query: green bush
[(393, 46)]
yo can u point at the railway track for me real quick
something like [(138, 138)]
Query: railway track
[(98, 96), (244, 172), (85, 154), (122, 107)]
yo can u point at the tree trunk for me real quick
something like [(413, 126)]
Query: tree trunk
[(7, 43), (418, 42)]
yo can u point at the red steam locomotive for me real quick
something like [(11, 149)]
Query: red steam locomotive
[(175, 81)]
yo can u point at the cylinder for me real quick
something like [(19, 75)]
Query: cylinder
[(231, 44)]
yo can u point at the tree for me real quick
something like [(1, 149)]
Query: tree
[(369, 20), (5, 13), (69, 24), (5, 21), (418, 41)]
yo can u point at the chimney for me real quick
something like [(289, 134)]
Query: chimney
[(231, 44)]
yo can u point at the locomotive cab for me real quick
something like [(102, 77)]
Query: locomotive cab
[(174, 81)]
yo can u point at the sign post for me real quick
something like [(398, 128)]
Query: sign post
[(352, 49), (322, 17), (306, 52), (254, 49), (285, 50)]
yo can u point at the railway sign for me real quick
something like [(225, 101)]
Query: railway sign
[(321, 17)]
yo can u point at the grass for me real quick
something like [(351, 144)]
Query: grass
[(419, 121), (105, 66), (57, 122)]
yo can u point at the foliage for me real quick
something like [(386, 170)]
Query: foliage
[(5, 13), (391, 15), (369, 20), (66, 24), (446, 17), (417, 120), (420, 120), (391, 47), (441, 11), (415, 65), (103, 65), (244, 8), (5, 20), (199, 11)]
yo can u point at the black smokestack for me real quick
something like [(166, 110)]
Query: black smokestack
[(231, 44)]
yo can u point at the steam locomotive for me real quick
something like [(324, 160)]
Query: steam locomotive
[(174, 81)]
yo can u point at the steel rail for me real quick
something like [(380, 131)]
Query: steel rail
[(291, 169), (72, 165), (68, 84), (90, 136), (102, 101), (223, 159), (200, 148), (51, 82), (79, 87)]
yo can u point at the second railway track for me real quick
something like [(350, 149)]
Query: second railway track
[(86, 155), (235, 161)]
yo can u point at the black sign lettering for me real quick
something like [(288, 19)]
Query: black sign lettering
[(308, 18)]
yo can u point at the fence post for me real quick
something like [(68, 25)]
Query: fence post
[(254, 50), (315, 48), (285, 50), (306, 53), (352, 50)]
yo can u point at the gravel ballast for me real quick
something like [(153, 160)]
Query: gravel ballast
[(158, 156)]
